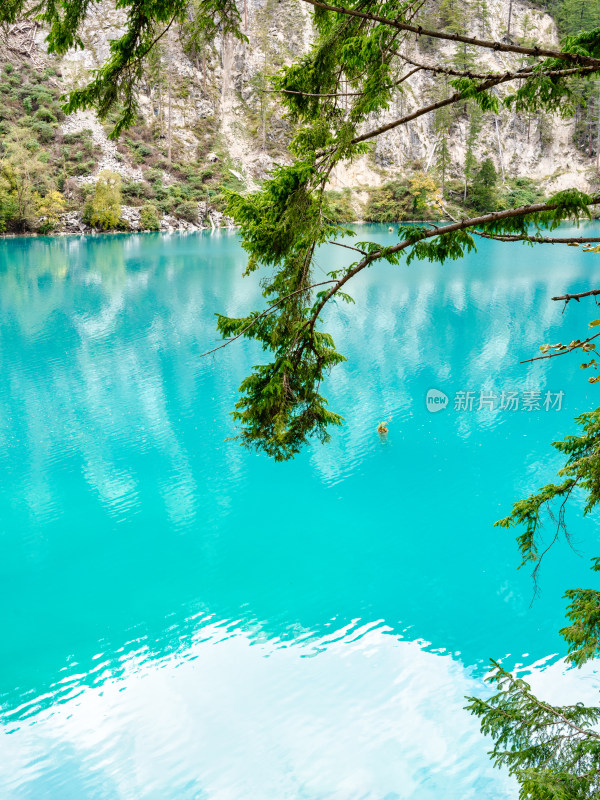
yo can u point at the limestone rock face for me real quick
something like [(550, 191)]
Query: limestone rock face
[(218, 95)]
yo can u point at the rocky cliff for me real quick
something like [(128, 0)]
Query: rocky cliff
[(209, 107)]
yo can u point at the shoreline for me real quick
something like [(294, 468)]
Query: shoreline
[(59, 234), (190, 229), (232, 228)]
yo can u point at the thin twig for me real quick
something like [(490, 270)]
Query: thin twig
[(567, 349), (560, 526), (342, 94), (264, 314), (348, 247), (539, 239)]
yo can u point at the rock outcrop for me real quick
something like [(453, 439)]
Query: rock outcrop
[(217, 96)]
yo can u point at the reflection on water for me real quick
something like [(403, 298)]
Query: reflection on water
[(365, 718), (185, 619)]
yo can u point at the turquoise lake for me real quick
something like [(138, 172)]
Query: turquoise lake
[(185, 619)]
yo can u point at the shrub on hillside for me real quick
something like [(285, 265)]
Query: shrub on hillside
[(187, 210), (48, 210), (522, 192), (149, 219), (153, 176), (135, 191), (44, 131), (403, 200), (44, 114), (103, 208)]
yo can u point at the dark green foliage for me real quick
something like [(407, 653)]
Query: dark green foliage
[(280, 406), (187, 210), (520, 192), (135, 192), (553, 751), (583, 612), (582, 469), (475, 116), (483, 195), (44, 114), (587, 110), (9, 210), (573, 16)]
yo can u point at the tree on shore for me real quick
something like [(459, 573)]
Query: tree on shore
[(22, 176), (103, 208), (363, 53), (483, 192), (474, 127)]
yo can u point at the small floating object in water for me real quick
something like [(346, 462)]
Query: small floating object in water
[(382, 427), (390, 229)]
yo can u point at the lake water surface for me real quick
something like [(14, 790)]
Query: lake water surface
[(185, 619)]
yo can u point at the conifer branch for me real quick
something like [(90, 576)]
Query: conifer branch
[(475, 222), (265, 313), (457, 37), (483, 87), (524, 72)]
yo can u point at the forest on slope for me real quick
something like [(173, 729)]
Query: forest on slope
[(208, 121)]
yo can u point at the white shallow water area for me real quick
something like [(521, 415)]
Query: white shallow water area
[(357, 714)]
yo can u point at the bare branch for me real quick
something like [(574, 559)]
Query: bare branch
[(560, 528), (488, 84), (348, 247), (579, 295), (343, 94), (524, 72), (540, 240)]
